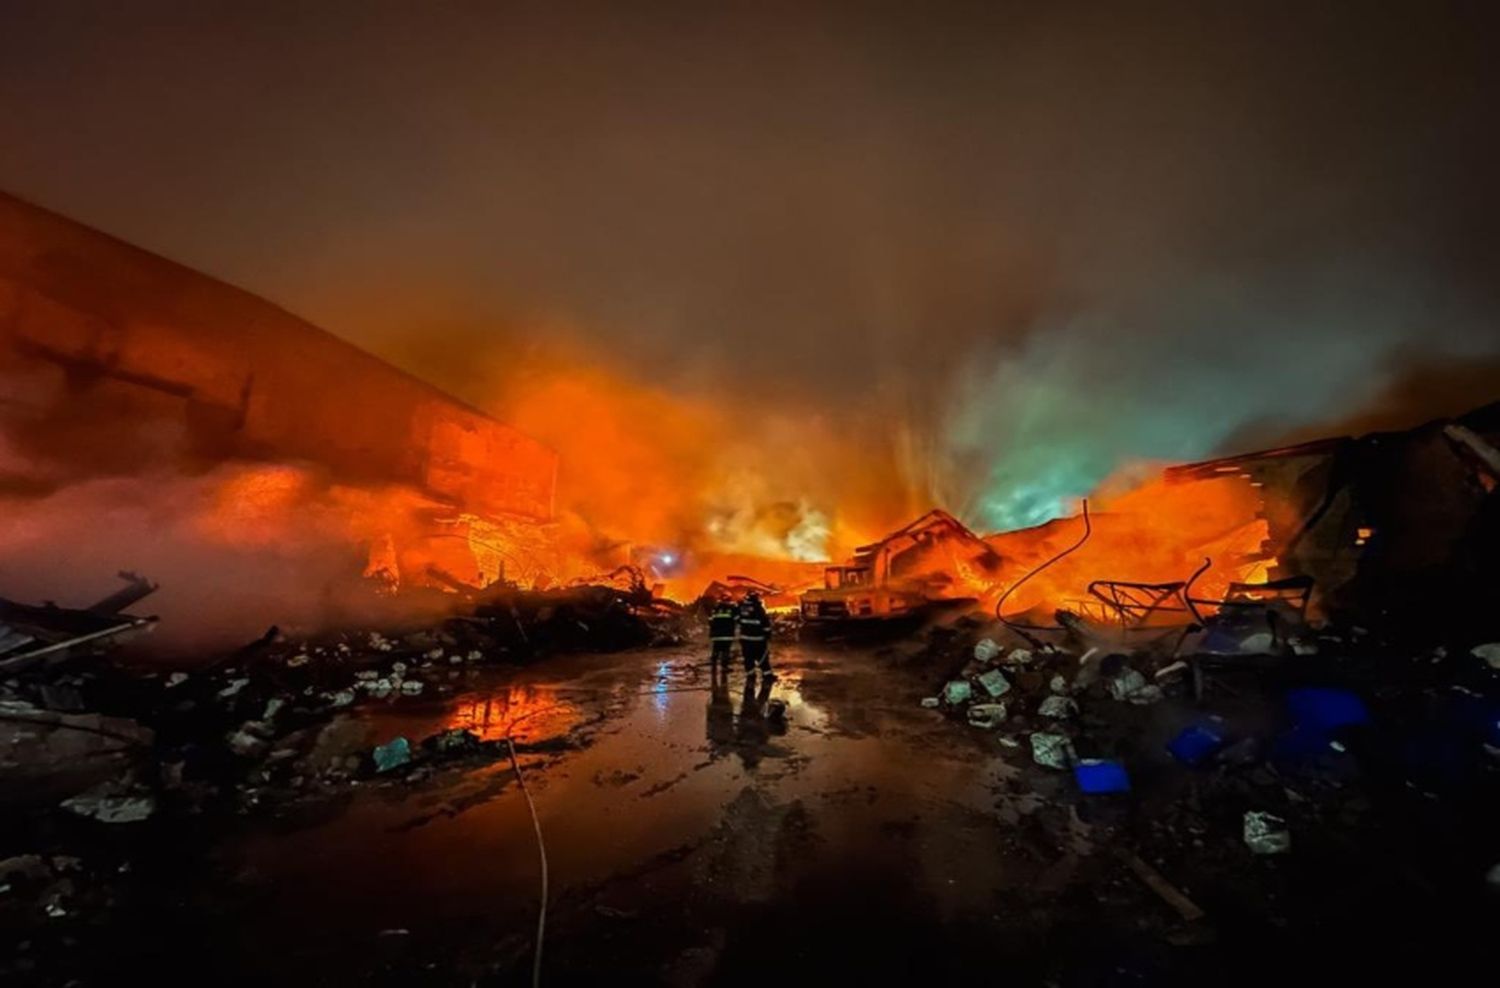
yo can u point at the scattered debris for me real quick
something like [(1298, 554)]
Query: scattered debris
[(1052, 750), (986, 650), (1490, 653), (235, 685), (31, 635), (1127, 684), (247, 742), (392, 754), (112, 802), (995, 683), (1100, 775), (987, 715), (1266, 833), (1058, 707), (1019, 657), (1168, 892), (453, 741), (1199, 742), (957, 692)]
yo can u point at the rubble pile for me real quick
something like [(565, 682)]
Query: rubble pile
[(111, 745), (1207, 763)]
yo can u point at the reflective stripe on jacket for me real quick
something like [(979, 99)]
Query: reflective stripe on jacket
[(753, 628)]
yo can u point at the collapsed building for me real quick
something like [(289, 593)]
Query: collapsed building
[(1393, 528), (115, 360)]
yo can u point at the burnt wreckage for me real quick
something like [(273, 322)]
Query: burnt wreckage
[(1394, 529)]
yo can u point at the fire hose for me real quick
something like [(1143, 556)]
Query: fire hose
[(541, 850), (1088, 529), (536, 824)]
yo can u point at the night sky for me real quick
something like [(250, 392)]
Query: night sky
[(1043, 238)]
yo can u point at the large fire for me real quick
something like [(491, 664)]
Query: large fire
[(672, 486), (1155, 533), (155, 419)]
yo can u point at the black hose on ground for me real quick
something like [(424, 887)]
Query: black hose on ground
[(1088, 529)]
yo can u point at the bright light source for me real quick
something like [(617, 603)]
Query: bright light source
[(667, 559)]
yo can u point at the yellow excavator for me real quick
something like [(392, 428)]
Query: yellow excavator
[(935, 559)]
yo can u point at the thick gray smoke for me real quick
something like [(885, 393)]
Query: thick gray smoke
[(1019, 247)]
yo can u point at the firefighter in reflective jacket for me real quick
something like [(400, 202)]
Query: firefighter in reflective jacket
[(721, 621), (755, 636)]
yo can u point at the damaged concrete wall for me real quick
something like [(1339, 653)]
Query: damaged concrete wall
[(113, 356)]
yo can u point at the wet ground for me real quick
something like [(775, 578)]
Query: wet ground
[(690, 834), (694, 838)]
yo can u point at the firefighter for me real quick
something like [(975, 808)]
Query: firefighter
[(721, 622), (755, 636)]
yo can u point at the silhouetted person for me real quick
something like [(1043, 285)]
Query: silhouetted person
[(721, 624), (755, 636)]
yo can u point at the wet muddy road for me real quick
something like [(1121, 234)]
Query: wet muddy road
[(695, 840), (691, 838)]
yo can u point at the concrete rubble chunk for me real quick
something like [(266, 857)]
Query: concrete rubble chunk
[(1058, 684), (1019, 657), (1490, 653), (995, 683), (392, 754), (301, 659), (986, 650), (112, 802), (246, 743), (340, 739), (1259, 643), (412, 687), (957, 692), (987, 715), (1127, 683), (931, 702), (1266, 833), (27, 867), (176, 679), (1052, 750), (1058, 707), (235, 685)]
